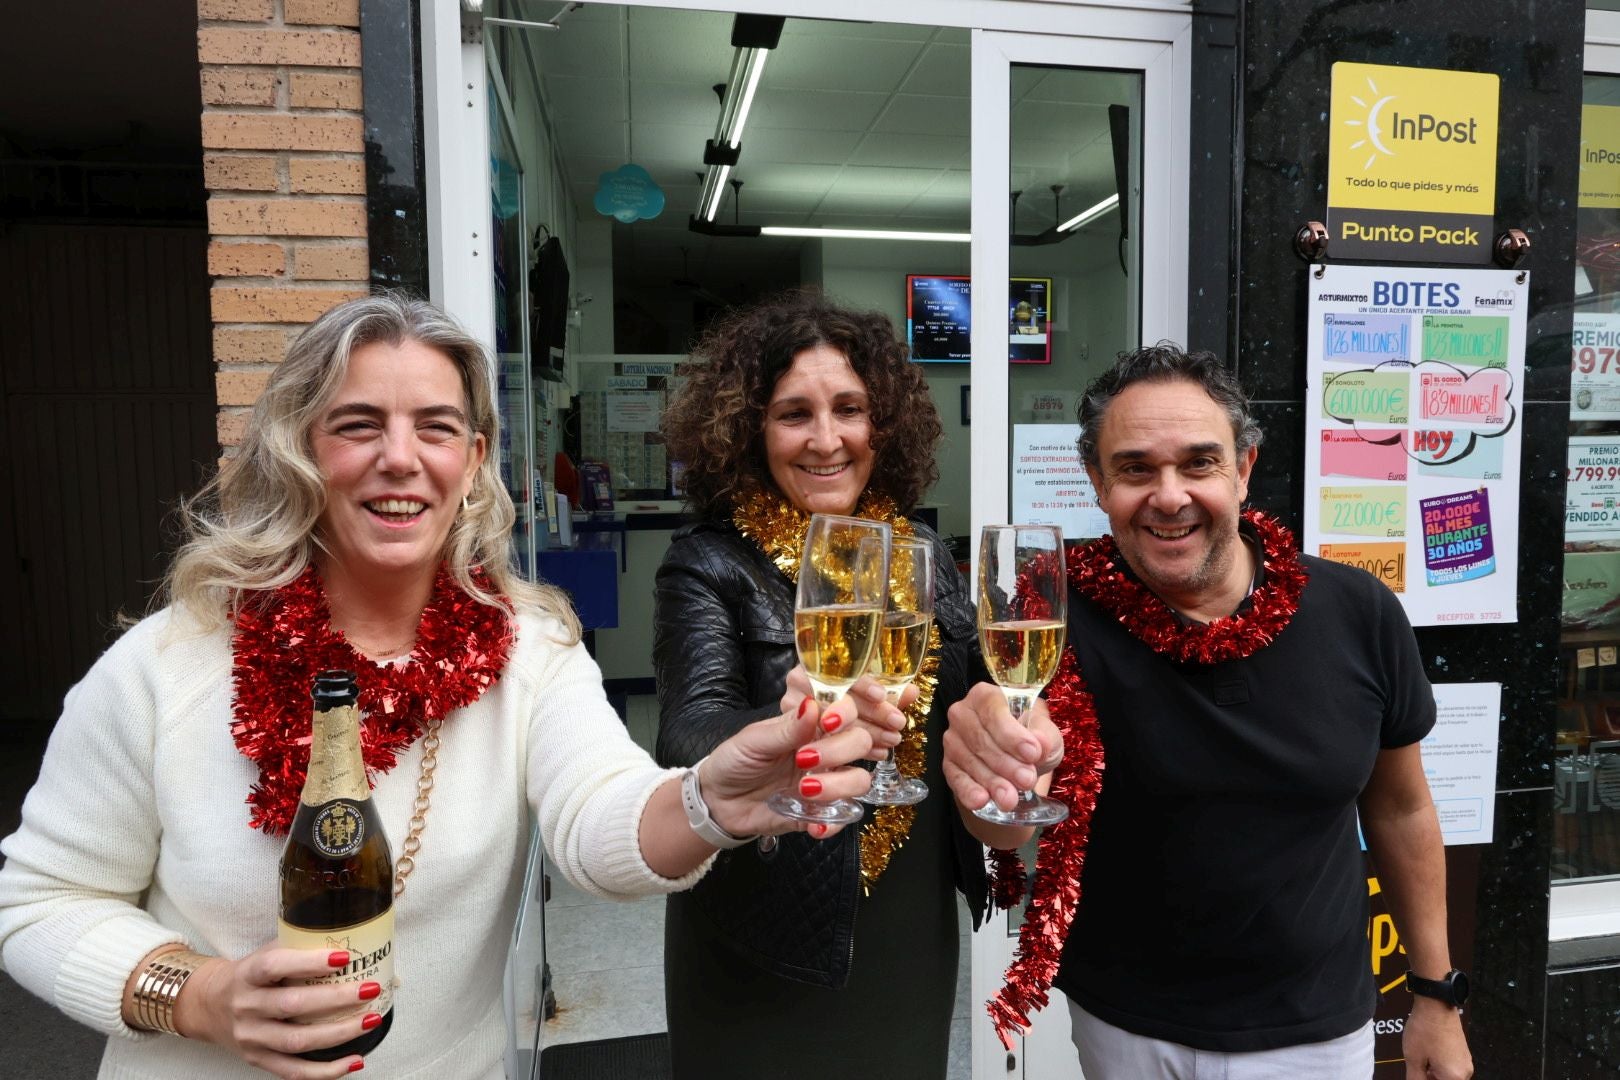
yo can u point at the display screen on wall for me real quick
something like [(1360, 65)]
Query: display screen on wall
[(937, 318), (1029, 320), (939, 323)]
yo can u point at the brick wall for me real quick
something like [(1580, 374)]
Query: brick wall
[(283, 160)]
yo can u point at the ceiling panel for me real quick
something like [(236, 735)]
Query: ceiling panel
[(692, 47), (792, 147), (586, 49), (592, 139), (674, 103), (942, 69), (851, 63), (573, 97), (823, 29), (1086, 87), (864, 202), (814, 110), (955, 208), (669, 145), (910, 182), (915, 151), (813, 179), (926, 115)]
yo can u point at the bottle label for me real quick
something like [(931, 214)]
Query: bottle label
[(371, 959), (339, 830)]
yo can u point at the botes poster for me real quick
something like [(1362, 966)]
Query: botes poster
[(1414, 387)]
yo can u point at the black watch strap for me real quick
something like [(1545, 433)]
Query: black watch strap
[(1451, 988)]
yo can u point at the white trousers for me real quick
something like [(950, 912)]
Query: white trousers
[(1111, 1053)]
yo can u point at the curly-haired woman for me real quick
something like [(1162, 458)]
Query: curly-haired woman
[(793, 407)]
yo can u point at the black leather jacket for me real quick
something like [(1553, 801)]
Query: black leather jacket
[(722, 648)]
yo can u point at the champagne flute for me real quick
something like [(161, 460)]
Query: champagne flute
[(902, 644), (1023, 593), (843, 577)]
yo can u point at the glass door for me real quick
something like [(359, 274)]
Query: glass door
[(1079, 210)]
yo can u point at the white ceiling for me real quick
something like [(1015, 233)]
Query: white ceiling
[(854, 124)]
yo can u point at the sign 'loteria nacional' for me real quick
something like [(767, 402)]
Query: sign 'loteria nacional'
[(1412, 164)]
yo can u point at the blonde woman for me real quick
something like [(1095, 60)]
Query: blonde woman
[(363, 525)]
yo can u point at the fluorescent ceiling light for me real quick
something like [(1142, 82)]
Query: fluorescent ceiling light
[(714, 186), (756, 69), (1086, 217), (866, 234)]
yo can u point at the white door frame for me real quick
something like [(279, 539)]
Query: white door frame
[(1166, 107), (1150, 36)]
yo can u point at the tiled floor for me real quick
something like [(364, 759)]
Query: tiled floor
[(607, 958)]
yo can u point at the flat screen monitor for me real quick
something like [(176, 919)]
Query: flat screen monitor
[(1029, 320), (938, 318)]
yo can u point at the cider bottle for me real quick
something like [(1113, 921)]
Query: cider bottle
[(336, 870)]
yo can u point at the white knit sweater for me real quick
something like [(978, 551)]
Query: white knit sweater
[(137, 835)]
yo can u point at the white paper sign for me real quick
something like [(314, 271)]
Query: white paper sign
[(1459, 759), (1594, 367), (1049, 485), (1415, 386), (1592, 494), (631, 410)]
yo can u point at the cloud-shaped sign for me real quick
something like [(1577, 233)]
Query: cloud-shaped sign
[(628, 194), (1445, 410)]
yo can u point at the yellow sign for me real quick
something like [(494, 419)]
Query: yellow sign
[(1600, 156), (1412, 163)]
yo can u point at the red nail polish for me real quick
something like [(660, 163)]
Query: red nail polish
[(369, 1021), (803, 705), (369, 990), (832, 722), (357, 1066), (819, 830), (809, 786), (338, 958), (808, 758)]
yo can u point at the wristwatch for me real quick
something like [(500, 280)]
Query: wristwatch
[(1451, 988), (697, 813)]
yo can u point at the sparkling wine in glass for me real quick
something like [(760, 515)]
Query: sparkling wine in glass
[(843, 579), (902, 643), (1023, 595)]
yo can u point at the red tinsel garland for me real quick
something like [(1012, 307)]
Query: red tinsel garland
[(1097, 572), (1059, 857), (280, 645)]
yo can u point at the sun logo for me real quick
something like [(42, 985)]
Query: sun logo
[(1375, 133)]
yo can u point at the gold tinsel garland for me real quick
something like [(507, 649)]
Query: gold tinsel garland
[(778, 527)]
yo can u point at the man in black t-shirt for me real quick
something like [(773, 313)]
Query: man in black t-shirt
[(1226, 713)]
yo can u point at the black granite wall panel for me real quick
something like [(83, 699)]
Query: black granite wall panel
[(1583, 1024), (1262, 72)]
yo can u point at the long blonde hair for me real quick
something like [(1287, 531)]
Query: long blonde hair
[(253, 527)]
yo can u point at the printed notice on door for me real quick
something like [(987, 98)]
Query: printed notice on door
[(1412, 439)]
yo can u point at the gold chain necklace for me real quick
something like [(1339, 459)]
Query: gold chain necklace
[(406, 863)]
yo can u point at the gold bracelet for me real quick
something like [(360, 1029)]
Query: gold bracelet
[(158, 985)]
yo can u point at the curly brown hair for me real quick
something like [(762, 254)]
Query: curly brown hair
[(715, 425)]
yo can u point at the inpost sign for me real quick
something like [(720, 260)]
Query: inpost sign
[(1600, 156), (1412, 164)]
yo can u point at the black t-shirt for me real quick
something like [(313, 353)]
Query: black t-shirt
[(1223, 903)]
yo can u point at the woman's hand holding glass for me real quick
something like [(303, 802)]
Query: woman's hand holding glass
[(843, 580), (741, 775)]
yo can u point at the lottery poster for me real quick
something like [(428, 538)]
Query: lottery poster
[(1414, 390)]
